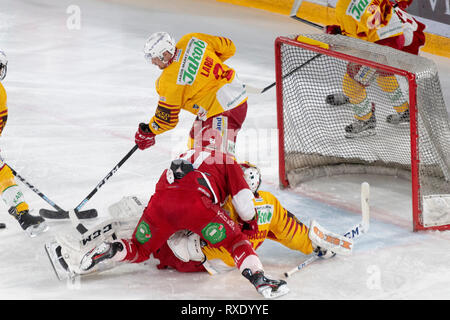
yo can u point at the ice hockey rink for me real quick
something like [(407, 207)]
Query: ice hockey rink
[(78, 86)]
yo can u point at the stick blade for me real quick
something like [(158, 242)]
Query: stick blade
[(59, 215)]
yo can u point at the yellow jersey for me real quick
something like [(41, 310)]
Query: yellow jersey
[(274, 222), (3, 108), (369, 20), (198, 81)]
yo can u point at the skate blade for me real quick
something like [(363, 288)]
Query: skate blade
[(363, 134), (57, 261), (268, 292), (36, 230)]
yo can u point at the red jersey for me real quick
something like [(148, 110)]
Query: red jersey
[(216, 175)]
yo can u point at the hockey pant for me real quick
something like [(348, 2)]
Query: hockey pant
[(220, 131), (359, 77)]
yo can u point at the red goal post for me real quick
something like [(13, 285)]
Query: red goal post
[(311, 133)]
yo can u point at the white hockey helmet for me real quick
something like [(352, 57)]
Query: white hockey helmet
[(252, 175), (157, 44), (3, 65)]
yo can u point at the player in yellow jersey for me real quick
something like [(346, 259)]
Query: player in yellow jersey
[(384, 23), (195, 78), (11, 194), (185, 251)]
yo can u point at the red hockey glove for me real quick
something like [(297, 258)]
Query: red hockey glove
[(144, 138), (250, 228), (333, 29), (403, 4)]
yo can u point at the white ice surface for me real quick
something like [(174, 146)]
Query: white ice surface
[(75, 98)]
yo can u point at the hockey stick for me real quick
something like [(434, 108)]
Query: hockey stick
[(60, 213), (353, 233), (293, 15), (73, 213), (254, 90)]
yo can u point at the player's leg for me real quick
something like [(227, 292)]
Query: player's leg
[(354, 86), (389, 84), (219, 230), (150, 234), (18, 208)]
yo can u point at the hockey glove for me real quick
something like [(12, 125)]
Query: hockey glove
[(250, 228), (323, 253), (402, 4), (144, 138), (333, 29)]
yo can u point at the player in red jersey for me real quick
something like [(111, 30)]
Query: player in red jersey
[(188, 196)]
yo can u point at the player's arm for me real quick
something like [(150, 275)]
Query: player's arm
[(402, 4), (365, 22), (165, 118), (223, 47), (241, 196), (169, 105)]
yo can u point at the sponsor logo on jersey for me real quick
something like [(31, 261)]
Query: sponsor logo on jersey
[(143, 233), (162, 114), (265, 213), (192, 59), (220, 124), (356, 8), (214, 232)]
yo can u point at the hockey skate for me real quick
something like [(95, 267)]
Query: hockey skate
[(337, 99), (268, 288), (398, 118), (361, 128), (102, 252), (32, 225)]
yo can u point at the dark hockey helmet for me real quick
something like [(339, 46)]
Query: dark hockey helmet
[(180, 168)]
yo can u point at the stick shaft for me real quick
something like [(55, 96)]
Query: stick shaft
[(103, 181), (312, 24), (291, 72), (35, 190)]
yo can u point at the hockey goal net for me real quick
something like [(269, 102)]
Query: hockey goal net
[(312, 141)]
